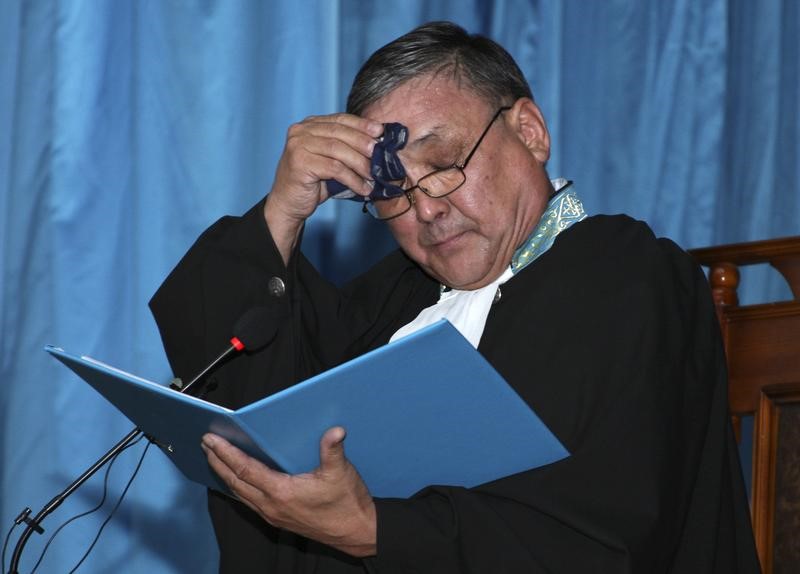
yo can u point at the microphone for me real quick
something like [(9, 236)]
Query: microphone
[(255, 329)]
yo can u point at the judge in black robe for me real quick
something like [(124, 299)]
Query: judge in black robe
[(610, 336)]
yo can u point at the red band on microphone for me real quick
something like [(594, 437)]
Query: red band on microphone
[(237, 344)]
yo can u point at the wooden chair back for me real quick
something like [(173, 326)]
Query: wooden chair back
[(762, 346)]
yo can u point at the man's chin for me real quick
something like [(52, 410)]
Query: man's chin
[(462, 264), (461, 279)]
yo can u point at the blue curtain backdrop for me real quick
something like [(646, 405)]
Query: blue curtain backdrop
[(128, 127)]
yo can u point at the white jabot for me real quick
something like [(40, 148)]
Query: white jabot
[(466, 310)]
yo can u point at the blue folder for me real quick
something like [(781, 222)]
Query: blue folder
[(424, 410)]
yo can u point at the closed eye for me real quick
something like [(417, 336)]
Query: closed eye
[(442, 166)]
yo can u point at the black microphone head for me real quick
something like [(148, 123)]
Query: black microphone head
[(258, 326)]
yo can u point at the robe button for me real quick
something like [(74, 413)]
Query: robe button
[(497, 295), (276, 287)]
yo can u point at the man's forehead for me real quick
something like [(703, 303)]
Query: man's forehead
[(433, 108)]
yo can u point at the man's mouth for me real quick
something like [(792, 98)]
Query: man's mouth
[(444, 241)]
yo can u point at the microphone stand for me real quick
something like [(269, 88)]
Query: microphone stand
[(34, 524)]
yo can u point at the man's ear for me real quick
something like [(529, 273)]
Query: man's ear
[(528, 122)]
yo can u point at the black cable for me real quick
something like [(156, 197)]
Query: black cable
[(113, 510), (88, 512), (5, 544)]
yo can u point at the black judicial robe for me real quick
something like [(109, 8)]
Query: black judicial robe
[(610, 336)]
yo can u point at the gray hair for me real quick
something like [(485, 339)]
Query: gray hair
[(482, 64)]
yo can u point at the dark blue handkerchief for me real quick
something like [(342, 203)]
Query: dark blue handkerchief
[(385, 167)]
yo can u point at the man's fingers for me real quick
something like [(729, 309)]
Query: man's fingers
[(321, 149), (331, 155), (358, 133), (242, 473), (372, 127)]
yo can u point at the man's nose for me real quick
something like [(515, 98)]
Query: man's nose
[(429, 208)]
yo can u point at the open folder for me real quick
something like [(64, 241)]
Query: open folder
[(423, 410)]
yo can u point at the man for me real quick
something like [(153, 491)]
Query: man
[(607, 332)]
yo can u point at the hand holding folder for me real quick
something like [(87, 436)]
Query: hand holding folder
[(331, 505)]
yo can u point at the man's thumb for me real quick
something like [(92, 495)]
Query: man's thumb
[(331, 448)]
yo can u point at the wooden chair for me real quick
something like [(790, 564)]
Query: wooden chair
[(762, 345)]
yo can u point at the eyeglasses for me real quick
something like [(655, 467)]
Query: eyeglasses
[(436, 184)]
